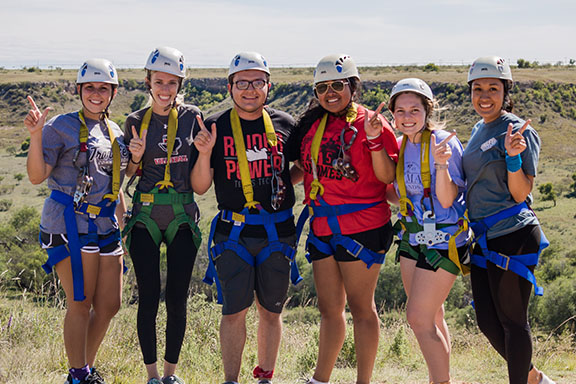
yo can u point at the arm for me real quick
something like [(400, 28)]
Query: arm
[(384, 166), (519, 184), (391, 195), (36, 167), (120, 209), (446, 190), (296, 173), (201, 175)]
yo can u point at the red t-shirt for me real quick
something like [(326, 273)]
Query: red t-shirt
[(340, 190)]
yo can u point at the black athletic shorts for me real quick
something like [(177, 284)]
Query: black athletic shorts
[(114, 248), (239, 280), (376, 240)]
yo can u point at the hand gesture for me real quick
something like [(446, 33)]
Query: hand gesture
[(35, 119), (441, 151), (515, 143), (205, 140), (137, 145), (373, 125)]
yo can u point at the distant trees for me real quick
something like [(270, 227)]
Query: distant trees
[(547, 192)]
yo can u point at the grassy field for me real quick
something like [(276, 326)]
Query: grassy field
[(32, 330)]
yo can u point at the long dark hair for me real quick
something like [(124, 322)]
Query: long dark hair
[(315, 111)]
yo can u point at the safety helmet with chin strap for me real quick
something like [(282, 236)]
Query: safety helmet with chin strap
[(335, 67), (98, 71), (245, 61), (413, 85), (168, 60), (492, 67)]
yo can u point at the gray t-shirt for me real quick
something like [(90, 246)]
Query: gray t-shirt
[(60, 142), (484, 162), (184, 156)]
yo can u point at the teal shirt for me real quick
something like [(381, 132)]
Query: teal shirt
[(484, 163)]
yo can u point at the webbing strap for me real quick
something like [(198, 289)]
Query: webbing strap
[(514, 263), (316, 186), (240, 147), (406, 206), (171, 138), (74, 243)]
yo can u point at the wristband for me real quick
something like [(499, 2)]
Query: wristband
[(133, 162), (513, 163), (375, 143), (440, 166)]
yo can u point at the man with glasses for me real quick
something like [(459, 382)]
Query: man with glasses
[(254, 233)]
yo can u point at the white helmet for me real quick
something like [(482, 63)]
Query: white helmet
[(248, 61), (335, 67), (97, 70), (490, 67), (411, 85), (168, 60)]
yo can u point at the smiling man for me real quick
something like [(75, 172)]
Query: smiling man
[(254, 233)]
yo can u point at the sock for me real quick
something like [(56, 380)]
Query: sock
[(314, 381), (80, 373)]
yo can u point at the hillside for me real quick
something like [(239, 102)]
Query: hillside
[(546, 95)]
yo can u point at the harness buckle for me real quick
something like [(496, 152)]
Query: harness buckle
[(507, 258), (357, 253)]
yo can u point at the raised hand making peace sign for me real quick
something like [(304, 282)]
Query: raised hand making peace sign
[(441, 151), (373, 125), (35, 119), (205, 140), (137, 145), (515, 143)]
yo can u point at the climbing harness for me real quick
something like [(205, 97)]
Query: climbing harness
[(245, 217), (319, 208), (167, 197), (429, 233), (515, 263)]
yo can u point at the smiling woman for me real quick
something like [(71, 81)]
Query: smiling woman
[(83, 157)]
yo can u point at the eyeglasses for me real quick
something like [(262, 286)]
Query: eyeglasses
[(256, 84), (337, 86)]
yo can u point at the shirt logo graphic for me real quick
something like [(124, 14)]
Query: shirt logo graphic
[(488, 144)]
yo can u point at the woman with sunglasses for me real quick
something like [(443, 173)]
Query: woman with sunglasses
[(347, 153), (83, 157), (500, 163), (430, 184), (170, 151)]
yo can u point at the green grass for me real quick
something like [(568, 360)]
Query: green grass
[(31, 333)]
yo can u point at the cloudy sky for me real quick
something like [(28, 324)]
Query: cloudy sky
[(289, 32)]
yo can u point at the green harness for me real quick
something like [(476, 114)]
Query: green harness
[(173, 198), (154, 197)]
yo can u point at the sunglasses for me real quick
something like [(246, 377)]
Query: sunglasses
[(256, 84), (337, 86)]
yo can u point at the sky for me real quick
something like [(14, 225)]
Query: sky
[(64, 33)]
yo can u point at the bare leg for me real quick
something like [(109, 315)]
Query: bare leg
[(269, 336), (78, 312), (360, 284), (232, 340), (331, 302), (428, 292), (106, 303)]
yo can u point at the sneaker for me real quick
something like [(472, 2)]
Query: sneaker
[(154, 381), (264, 381), (172, 379), (90, 379), (546, 380), (96, 377)]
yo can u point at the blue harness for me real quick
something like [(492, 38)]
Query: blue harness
[(239, 220), (515, 263), (331, 212), (75, 241)]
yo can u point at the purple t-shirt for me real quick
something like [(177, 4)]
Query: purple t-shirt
[(60, 142)]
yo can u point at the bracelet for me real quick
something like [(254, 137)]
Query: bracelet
[(440, 166), (374, 137), (513, 163), (133, 162)]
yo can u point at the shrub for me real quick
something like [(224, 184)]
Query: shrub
[(5, 205), (431, 67)]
